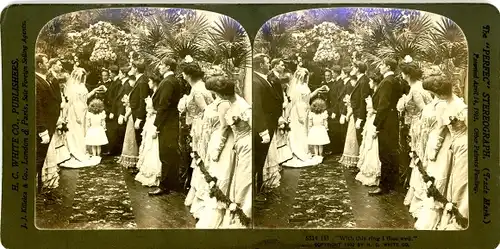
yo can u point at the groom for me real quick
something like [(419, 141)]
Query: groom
[(386, 122), (48, 106), (165, 102), (267, 108)]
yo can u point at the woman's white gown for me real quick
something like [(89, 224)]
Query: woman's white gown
[(297, 137), (75, 136)]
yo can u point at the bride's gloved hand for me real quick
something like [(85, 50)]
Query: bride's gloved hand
[(111, 116), (333, 115)]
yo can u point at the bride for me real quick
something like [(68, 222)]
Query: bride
[(77, 95), (300, 95)]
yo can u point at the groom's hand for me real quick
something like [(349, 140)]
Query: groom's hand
[(45, 137), (265, 137), (334, 115), (111, 116)]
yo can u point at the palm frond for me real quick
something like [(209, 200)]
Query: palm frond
[(448, 30), (272, 37), (228, 42)]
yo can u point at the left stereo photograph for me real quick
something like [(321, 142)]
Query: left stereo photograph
[(143, 120)]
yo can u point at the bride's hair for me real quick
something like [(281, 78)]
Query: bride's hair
[(79, 75), (301, 75)]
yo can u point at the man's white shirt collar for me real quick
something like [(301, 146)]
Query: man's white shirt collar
[(360, 75), (138, 76), (41, 75), (261, 75), (388, 73), (168, 74)]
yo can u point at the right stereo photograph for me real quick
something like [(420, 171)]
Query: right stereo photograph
[(360, 121)]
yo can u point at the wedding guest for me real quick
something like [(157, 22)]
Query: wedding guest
[(267, 105), (130, 152), (121, 89), (411, 105), (334, 101), (369, 162), (238, 120), (149, 164), (105, 81), (111, 119), (194, 104), (360, 92), (455, 118), (436, 157), (350, 156), (166, 124), (48, 104), (139, 92), (386, 122)]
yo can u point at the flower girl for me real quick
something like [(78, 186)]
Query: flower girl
[(96, 127), (318, 123)]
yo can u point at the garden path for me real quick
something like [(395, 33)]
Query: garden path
[(107, 196), (339, 202)]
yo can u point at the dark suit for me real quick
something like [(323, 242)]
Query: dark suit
[(138, 94), (117, 108), (360, 92), (48, 108), (165, 102), (334, 101), (385, 100), (267, 109)]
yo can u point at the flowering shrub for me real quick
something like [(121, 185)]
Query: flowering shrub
[(102, 51), (105, 42)]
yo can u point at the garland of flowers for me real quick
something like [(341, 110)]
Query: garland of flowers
[(218, 194), (433, 192)]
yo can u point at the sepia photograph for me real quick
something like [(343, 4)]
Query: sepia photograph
[(360, 120), (143, 120)]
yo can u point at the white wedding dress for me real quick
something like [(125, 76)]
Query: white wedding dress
[(300, 95), (77, 95)]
